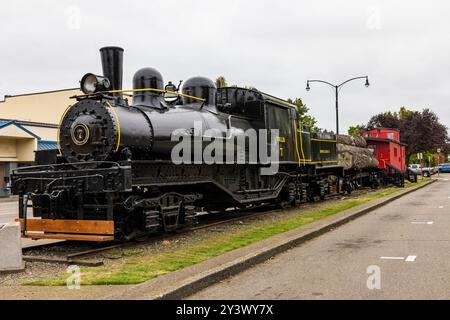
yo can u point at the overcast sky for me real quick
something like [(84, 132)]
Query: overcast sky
[(275, 46)]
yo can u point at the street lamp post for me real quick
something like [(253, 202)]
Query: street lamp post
[(337, 88)]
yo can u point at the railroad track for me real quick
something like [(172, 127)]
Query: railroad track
[(69, 252), (54, 253)]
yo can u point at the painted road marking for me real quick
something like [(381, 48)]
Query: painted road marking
[(407, 259), (422, 222)]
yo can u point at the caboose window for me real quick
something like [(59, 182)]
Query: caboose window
[(395, 152)]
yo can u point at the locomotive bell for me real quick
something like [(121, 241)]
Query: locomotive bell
[(170, 97)]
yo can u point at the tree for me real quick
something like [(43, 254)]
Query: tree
[(356, 130), (305, 118), (385, 120), (423, 132), (221, 82), (404, 113)]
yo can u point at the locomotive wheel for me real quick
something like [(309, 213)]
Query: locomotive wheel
[(288, 196), (349, 187), (284, 205), (166, 213)]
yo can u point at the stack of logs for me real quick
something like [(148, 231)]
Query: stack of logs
[(354, 154)]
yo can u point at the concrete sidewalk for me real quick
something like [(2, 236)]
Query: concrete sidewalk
[(187, 281), (9, 199)]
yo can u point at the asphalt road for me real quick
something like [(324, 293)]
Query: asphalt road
[(402, 248)]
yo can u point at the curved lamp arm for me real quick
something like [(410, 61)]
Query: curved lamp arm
[(364, 77), (307, 83), (330, 84)]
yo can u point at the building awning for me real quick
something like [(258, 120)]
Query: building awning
[(41, 144), (12, 127), (46, 145)]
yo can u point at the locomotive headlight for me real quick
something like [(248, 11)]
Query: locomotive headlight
[(91, 83)]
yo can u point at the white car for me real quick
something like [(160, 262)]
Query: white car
[(418, 169)]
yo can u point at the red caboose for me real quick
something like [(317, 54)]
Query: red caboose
[(389, 151)]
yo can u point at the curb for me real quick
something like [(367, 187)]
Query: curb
[(187, 281)]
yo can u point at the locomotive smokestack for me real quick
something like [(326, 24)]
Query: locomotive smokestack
[(112, 64)]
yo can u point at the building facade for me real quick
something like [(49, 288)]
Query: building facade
[(29, 122)]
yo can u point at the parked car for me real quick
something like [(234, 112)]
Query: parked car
[(444, 167), (432, 170), (418, 169)]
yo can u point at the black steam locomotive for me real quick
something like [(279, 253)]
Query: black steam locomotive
[(115, 177)]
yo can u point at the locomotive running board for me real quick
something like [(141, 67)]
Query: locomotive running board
[(81, 230)]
